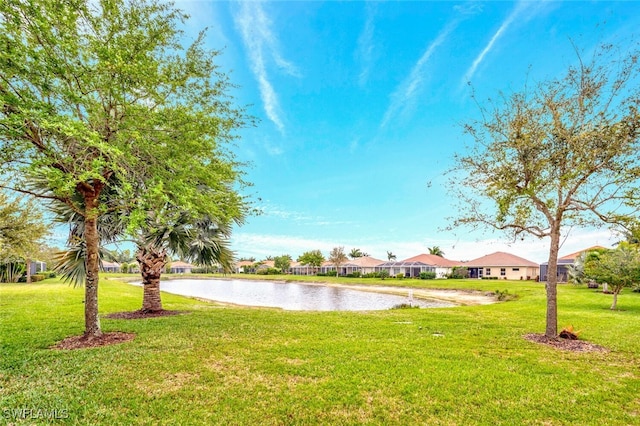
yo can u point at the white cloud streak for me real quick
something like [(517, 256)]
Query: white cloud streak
[(262, 46), (409, 88), (516, 13), (366, 46)]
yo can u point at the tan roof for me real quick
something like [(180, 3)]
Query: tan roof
[(106, 264), (181, 264), (432, 259), (365, 261), (500, 258), (572, 256)]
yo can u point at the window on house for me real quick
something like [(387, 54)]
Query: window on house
[(487, 271), (515, 269), (503, 272)]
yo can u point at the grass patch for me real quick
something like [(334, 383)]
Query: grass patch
[(219, 364)]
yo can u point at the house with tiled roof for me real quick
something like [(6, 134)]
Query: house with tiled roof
[(564, 263), (110, 266), (503, 266), (364, 264), (442, 266), (180, 267)]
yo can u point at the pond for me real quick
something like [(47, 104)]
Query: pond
[(293, 296)]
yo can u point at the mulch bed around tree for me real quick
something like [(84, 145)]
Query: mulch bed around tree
[(81, 342), (565, 344), (140, 314)]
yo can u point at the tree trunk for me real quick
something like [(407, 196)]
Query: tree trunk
[(28, 262), (552, 284), (614, 305), (91, 320), (152, 263)]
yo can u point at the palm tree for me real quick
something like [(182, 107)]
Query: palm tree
[(435, 250), (390, 256), (201, 241), (355, 253)]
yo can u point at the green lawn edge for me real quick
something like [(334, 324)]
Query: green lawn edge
[(224, 364)]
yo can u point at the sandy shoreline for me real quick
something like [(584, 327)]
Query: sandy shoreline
[(459, 297)]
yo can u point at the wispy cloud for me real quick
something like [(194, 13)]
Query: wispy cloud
[(408, 89), (263, 47), (366, 47), (516, 15)]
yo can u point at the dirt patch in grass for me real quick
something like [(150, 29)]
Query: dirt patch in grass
[(565, 344), (81, 342), (144, 314)]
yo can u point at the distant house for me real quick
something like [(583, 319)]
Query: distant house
[(443, 267), (180, 267), (244, 267), (37, 266), (299, 269), (265, 264), (564, 263), (110, 266), (363, 265), (502, 265), (410, 269)]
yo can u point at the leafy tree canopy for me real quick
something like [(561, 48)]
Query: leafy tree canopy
[(337, 257), (564, 153), (312, 258), (99, 95), (618, 268), (282, 262), (22, 228)]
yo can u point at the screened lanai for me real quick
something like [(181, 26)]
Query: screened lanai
[(409, 269)]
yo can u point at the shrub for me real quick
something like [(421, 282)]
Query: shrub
[(268, 271), (331, 273), (371, 275), (405, 306), (504, 295), (38, 277), (427, 275), (400, 276), (354, 274), (459, 272)]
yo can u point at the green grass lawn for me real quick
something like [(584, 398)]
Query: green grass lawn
[(236, 366)]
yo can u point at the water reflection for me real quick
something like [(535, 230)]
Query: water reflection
[(291, 296)]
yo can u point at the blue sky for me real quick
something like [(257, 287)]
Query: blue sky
[(360, 106)]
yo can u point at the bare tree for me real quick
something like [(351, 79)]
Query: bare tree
[(338, 258)]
